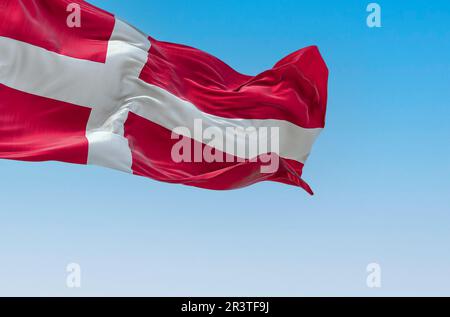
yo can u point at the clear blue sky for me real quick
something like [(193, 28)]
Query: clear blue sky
[(380, 171)]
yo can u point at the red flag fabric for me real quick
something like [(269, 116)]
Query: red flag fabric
[(79, 85)]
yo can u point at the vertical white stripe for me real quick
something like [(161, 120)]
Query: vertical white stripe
[(127, 54)]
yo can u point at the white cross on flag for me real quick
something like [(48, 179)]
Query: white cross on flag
[(103, 93)]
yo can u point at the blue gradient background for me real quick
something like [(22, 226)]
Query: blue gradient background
[(380, 171)]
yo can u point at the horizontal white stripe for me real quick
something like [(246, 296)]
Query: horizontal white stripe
[(169, 111), (113, 89), (40, 72)]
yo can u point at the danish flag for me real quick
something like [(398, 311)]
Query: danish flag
[(104, 93)]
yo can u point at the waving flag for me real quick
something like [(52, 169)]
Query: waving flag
[(78, 85)]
